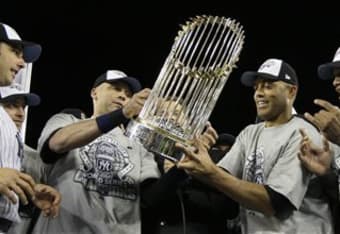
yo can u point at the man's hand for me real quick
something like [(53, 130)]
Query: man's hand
[(317, 160), (47, 199), (327, 120), (13, 181), (196, 160), (136, 103)]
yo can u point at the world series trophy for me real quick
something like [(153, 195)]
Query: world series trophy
[(201, 59)]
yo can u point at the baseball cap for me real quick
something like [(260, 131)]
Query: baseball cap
[(225, 139), (112, 76), (31, 50), (9, 93), (325, 71), (271, 69)]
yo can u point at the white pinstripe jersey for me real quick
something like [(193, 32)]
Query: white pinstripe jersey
[(9, 158)]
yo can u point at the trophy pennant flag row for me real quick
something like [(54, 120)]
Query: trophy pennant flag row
[(203, 55)]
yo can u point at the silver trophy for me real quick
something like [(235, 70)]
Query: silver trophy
[(201, 59)]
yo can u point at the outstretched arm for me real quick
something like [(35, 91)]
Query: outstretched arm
[(197, 162), (83, 132)]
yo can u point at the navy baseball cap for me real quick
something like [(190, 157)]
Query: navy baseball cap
[(271, 69), (112, 76), (326, 71), (31, 50), (10, 93)]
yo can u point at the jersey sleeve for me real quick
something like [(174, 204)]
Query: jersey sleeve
[(53, 124), (232, 161)]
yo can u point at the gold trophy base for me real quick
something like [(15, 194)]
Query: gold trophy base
[(156, 140)]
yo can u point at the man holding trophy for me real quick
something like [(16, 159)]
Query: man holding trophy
[(262, 171)]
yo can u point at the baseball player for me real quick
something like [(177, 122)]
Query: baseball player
[(13, 102), (262, 171), (95, 167), (14, 52)]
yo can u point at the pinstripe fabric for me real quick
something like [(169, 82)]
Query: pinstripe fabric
[(9, 150)]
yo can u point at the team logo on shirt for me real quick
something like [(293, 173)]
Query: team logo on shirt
[(105, 169), (255, 166)]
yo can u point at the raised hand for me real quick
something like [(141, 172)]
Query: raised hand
[(136, 103), (315, 159), (327, 120), (196, 160)]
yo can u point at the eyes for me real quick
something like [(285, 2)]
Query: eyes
[(118, 88), (265, 85), (18, 52)]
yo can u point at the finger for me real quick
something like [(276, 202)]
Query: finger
[(5, 191), (325, 142), (57, 198), (199, 143), (208, 140), (46, 212), (326, 105), (311, 119), (303, 133), (188, 151), (27, 178), (185, 165), (55, 211), (303, 159), (212, 132), (144, 93), (29, 190), (21, 194)]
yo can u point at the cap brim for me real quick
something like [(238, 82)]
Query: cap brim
[(326, 71), (31, 50), (248, 78), (132, 82), (31, 98)]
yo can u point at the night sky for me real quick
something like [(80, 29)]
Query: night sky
[(83, 39)]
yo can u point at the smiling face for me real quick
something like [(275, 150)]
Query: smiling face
[(109, 97), (274, 101), (11, 61), (336, 81), (16, 110)]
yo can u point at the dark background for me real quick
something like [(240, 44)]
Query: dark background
[(82, 39)]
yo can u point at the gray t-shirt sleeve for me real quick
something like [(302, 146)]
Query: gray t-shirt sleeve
[(233, 160), (54, 123)]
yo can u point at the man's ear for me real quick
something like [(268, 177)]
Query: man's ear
[(292, 92), (94, 93)]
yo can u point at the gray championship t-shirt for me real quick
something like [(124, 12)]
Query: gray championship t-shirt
[(268, 156), (99, 183)]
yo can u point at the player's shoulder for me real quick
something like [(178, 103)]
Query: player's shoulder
[(302, 122)]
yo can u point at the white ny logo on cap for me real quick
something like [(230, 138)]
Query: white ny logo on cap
[(271, 67)]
